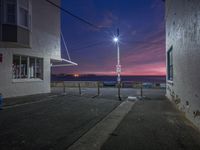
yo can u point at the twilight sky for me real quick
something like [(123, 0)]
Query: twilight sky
[(142, 36)]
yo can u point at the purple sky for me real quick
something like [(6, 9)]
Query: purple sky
[(142, 37)]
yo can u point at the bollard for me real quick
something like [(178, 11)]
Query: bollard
[(79, 87), (98, 86), (141, 90), (119, 92), (64, 90), (1, 101)]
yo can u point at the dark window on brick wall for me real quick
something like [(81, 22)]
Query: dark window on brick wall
[(170, 67)]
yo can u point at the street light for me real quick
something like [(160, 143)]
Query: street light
[(115, 39), (118, 66)]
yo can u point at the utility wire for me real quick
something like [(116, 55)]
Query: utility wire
[(144, 42), (89, 46), (101, 43), (75, 16)]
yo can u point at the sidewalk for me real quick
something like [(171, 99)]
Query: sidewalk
[(154, 125)]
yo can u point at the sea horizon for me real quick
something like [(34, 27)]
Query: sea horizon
[(109, 78)]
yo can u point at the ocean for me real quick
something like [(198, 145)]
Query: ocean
[(151, 79)]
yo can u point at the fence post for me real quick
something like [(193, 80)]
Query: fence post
[(119, 92), (141, 90), (79, 87), (98, 88), (64, 90)]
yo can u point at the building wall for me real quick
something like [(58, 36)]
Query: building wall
[(183, 34), (45, 43)]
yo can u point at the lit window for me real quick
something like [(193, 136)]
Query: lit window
[(170, 68), (32, 70), (16, 67), (25, 67)]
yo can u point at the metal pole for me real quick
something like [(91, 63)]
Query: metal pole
[(79, 87), (98, 86), (64, 91), (141, 90), (118, 72)]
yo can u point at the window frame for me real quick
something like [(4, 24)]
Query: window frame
[(17, 14), (170, 65), (29, 15), (27, 68), (6, 15)]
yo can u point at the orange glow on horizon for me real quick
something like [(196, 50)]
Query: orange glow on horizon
[(76, 75)]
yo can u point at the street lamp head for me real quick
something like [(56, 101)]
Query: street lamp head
[(115, 39)]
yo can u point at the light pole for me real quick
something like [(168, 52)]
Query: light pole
[(118, 66)]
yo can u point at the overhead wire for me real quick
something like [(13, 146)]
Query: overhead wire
[(75, 16), (83, 20)]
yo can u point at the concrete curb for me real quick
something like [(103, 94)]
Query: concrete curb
[(97, 136)]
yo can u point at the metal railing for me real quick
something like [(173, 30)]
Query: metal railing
[(98, 88)]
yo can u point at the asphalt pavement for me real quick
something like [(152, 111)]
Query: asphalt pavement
[(154, 124), (60, 121), (47, 122)]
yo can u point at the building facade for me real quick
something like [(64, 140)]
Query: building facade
[(29, 40), (183, 56)]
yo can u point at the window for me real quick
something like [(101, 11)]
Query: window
[(32, 66), (24, 13), (16, 67), (18, 12), (25, 67), (10, 11), (39, 68), (170, 68), (1, 8), (1, 58), (23, 20)]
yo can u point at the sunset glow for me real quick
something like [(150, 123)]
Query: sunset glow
[(142, 42)]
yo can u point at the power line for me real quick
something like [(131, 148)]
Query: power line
[(75, 16), (144, 42), (89, 46)]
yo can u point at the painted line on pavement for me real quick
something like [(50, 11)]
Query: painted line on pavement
[(28, 103)]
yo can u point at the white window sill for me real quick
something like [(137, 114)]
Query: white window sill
[(26, 80)]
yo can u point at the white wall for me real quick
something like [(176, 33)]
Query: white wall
[(183, 33), (45, 43)]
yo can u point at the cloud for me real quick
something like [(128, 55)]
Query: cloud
[(145, 58), (108, 19)]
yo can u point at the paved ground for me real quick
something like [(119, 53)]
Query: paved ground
[(49, 122), (110, 92), (154, 125)]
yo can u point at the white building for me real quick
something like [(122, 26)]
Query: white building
[(29, 40), (183, 56)]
